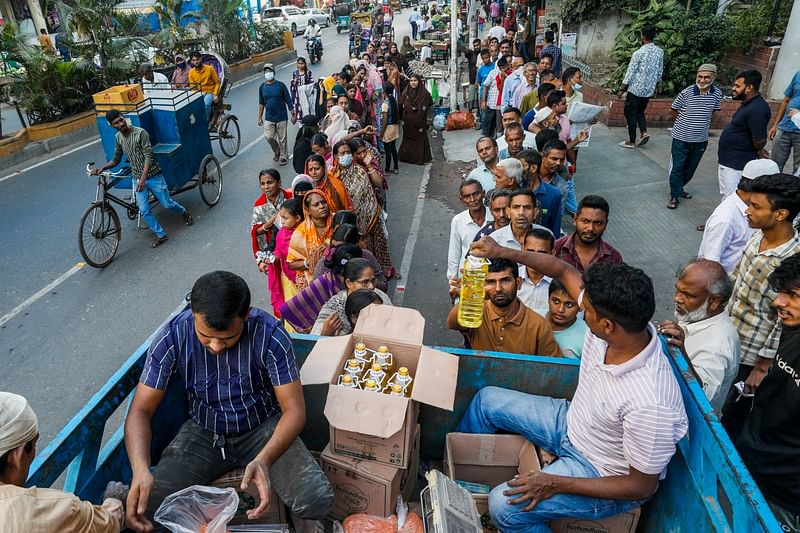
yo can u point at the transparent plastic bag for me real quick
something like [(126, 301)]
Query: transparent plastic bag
[(403, 522), (198, 509)]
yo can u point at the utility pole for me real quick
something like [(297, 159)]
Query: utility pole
[(788, 57), (455, 86)]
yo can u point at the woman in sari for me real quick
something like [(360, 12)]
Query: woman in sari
[(331, 186), (366, 155), (321, 146), (301, 311), (347, 233), (313, 232), (416, 102), (359, 184), (265, 220), (301, 76)]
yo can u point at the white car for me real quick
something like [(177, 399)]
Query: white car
[(319, 16), (289, 18)]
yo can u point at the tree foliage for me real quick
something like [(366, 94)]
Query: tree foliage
[(750, 25)]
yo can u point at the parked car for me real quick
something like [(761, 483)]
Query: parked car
[(289, 18), (321, 18)]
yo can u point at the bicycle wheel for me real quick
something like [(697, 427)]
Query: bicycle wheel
[(210, 180), (229, 135), (99, 234)]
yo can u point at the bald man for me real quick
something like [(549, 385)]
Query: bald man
[(35, 509), (704, 332)]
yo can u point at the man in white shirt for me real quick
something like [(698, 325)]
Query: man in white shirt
[(464, 226), (704, 331), (726, 230), (497, 32), (152, 79), (313, 32), (487, 156), (613, 441), (534, 291), (414, 19)]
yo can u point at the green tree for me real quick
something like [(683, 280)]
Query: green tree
[(171, 17), (226, 32)]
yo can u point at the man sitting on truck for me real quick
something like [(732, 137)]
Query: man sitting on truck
[(246, 407), (613, 441), (37, 509), (770, 440)]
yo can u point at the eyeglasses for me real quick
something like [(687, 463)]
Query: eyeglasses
[(365, 283)]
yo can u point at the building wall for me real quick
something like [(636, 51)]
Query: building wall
[(788, 61), (596, 37)]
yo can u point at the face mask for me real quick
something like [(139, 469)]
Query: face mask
[(577, 86), (346, 160), (269, 76), (182, 64)]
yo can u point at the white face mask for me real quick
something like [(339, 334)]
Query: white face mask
[(269, 76), (346, 160)]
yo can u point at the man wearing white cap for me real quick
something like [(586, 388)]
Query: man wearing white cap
[(726, 230), (35, 509)]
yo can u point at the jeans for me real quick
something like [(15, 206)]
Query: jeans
[(785, 142), (684, 160), (208, 100), (391, 153), (634, 115), (543, 421), (569, 202), (275, 134), (158, 187), (489, 122), (414, 30), (523, 51), (191, 459)]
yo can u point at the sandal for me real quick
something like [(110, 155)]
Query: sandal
[(283, 162), (673, 203), (159, 241), (686, 195), (701, 227), (644, 139)]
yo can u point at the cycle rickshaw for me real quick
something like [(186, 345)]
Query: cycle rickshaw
[(176, 123)]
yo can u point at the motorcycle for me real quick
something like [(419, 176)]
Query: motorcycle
[(314, 49)]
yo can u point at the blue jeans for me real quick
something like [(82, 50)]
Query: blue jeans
[(543, 421), (158, 187), (569, 202), (208, 100), (684, 160)]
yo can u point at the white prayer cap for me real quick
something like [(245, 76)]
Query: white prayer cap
[(759, 167), (18, 424)]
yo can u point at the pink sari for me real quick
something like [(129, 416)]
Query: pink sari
[(280, 269)]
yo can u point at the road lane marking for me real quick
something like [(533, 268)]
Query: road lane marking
[(30, 301), (48, 160), (411, 241)]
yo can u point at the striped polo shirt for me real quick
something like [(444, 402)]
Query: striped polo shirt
[(626, 415), (694, 113), (232, 392), (136, 145)]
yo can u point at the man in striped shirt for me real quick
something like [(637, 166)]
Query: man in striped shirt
[(692, 111), (134, 142), (614, 439), (246, 407)]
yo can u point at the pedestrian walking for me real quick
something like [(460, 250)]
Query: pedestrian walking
[(692, 111), (134, 142), (273, 101), (414, 19), (644, 71), (744, 138), (784, 133)]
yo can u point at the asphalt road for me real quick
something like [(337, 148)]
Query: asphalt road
[(64, 329)]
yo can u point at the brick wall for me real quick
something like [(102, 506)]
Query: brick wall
[(761, 59), (658, 111)]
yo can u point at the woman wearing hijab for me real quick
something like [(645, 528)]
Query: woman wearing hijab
[(302, 143), (301, 76), (408, 49), (337, 121), (396, 57), (416, 102), (313, 232)]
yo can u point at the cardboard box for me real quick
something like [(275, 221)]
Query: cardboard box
[(621, 523), (488, 461), (120, 94), (249, 499), (367, 487), (383, 423)]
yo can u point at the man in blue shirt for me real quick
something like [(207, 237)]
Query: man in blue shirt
[(273, 102), (553, 51), (548, 197), (784, 134), (245, 402), (483, 72)]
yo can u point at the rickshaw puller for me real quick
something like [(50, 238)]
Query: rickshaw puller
[(135, 143)]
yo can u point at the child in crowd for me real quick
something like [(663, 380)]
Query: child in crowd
[(565, 318), (283, 281)]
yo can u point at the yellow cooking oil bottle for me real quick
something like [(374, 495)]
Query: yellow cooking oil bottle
[(377, 374), (354, 368), (401, 378), (384, 358), (473, 292), (371, 386), (361, 353), (346, 380), (395, 389)]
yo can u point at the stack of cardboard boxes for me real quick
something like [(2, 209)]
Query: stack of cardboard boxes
[(373, 453)]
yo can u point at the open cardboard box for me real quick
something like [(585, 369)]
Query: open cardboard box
[(367, 487), (379, 427), (249, 499), (487, 460)]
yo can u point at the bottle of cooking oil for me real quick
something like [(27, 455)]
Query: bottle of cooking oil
[(384, 358), (473, 292), (403, 379), (346, 380), (371, 386), (395, 390), (377, 374), (354, 368), (361, 353)]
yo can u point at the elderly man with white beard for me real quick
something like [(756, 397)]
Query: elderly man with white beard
[(704, 331)]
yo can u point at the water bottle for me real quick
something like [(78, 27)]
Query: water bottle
[(473, 292)]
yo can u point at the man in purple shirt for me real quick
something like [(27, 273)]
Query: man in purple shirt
[(586, 246)]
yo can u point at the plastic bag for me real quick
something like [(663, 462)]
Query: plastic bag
[(403, 522), (198, 509), (460, 120), (439, 122)]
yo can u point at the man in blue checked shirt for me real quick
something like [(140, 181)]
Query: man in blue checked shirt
[(245, 401)]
